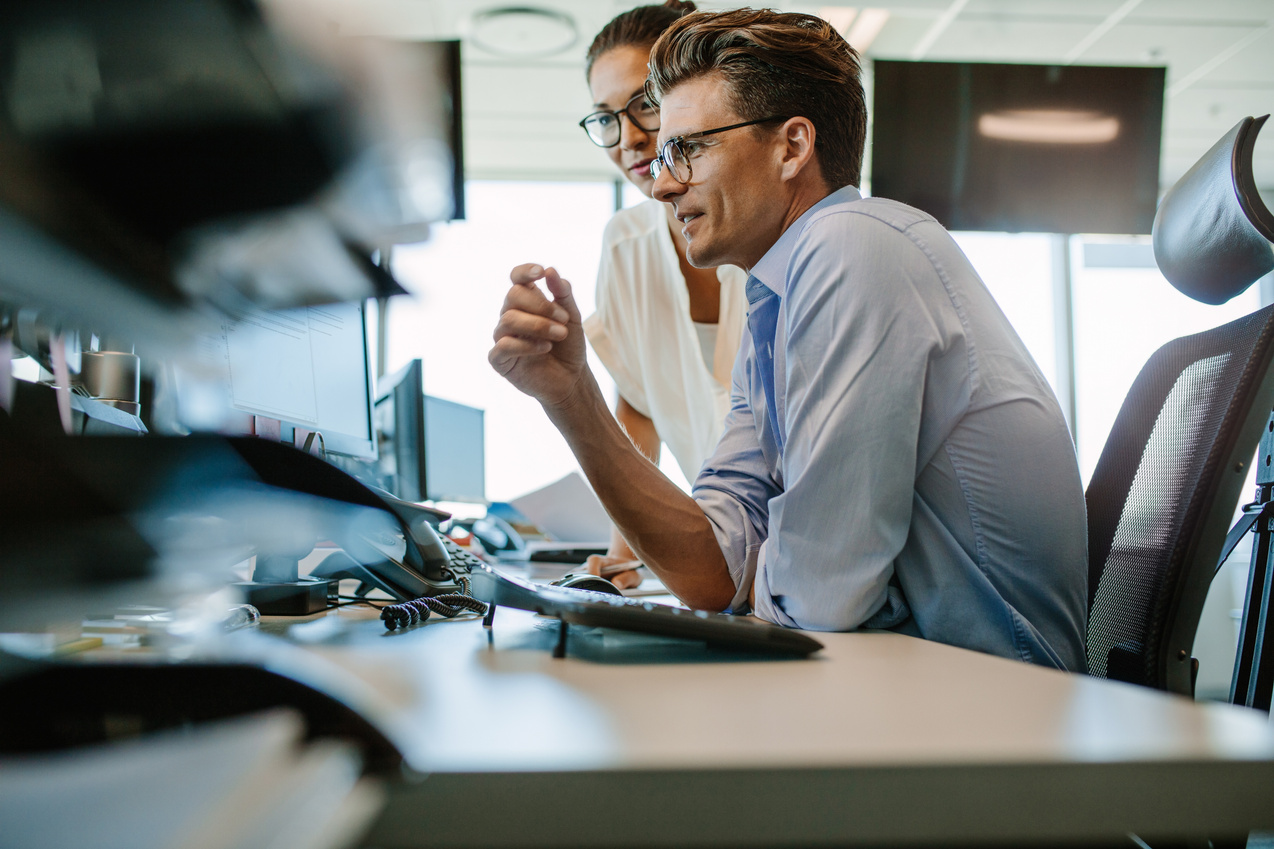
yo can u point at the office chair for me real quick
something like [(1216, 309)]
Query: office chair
[(1166, 486)]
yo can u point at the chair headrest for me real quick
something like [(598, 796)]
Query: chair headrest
[(1212, 232)]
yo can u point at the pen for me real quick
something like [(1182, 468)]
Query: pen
[(616, 568)]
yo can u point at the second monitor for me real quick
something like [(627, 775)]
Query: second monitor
[(429, 448)]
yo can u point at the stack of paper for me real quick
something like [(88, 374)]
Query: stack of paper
[(242, 783)]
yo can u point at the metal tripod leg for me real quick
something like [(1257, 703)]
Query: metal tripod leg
[(1254, 660), (1253, 677)]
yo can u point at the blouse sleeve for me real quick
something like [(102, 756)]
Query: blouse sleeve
[(610, 329)]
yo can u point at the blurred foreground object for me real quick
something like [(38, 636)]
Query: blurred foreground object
[(249, 781), (160, 158)]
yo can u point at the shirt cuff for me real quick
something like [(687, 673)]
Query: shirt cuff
[(764, 605), (739, 542)]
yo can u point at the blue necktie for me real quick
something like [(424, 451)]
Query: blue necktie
[(763, 319)]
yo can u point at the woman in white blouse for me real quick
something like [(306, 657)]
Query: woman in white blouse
[(667, 332)]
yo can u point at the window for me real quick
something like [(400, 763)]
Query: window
[(1122, 316), (459, 279), (1017, 269)]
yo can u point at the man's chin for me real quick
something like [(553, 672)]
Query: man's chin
[(701, 257)]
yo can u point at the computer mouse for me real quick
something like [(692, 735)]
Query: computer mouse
[(587, 581)]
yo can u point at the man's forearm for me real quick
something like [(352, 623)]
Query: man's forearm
[(663, 525)]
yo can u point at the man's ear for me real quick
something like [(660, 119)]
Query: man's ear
[(798, 151)]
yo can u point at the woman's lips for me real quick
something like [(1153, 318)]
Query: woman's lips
[(641, 166)]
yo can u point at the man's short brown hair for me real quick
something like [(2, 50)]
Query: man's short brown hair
[(774, 63)]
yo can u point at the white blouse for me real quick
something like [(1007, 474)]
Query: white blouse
[(643, 334)]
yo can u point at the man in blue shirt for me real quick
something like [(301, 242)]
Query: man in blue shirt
[(893, 458)]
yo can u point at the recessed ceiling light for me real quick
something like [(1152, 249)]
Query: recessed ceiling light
[(523, 32)]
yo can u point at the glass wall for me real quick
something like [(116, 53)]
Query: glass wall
[(1017, 269), (459, 279), (1122, 316), (460, 276)]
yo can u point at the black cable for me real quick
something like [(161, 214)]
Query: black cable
[(347, 600), (408, 613)]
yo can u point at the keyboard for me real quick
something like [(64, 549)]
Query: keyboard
[(603, 610)]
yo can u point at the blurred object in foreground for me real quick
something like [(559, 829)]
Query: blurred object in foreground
[(161, 158), (251, 778)]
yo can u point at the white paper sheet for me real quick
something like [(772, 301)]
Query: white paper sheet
[(567, 509)]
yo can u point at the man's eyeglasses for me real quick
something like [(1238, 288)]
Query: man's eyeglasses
[(676, 152), (603, 126)]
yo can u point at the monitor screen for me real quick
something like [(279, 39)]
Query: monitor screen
[(455, 451), (309, 368), (429, 448), (1019, 148)]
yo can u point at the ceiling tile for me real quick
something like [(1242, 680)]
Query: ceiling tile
[(1179, 46), (1095, 10), (899, 36), (1253, 64), (1015, 40), (1193, 10)]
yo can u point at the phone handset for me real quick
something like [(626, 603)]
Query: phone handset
[(406, 561), (425, 550)]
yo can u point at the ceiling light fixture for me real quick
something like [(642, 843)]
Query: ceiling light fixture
[(523, 32), (1049, 126)]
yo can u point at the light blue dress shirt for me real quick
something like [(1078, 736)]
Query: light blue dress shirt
[(893, 458)]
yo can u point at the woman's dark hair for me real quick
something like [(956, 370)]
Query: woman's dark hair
[(640, 27)]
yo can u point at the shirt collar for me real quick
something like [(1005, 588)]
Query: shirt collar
[(771, 271)]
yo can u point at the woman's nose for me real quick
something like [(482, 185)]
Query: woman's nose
[(631, 136)]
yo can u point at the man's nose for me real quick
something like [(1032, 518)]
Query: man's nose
[(666, 189)]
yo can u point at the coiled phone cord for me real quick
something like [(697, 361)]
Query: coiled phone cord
[(408, 613)]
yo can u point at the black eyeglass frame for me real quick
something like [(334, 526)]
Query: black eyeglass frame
[(616, 114), (662, 158)]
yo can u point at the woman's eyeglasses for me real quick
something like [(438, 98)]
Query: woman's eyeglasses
[(603, 126), (675, 153)]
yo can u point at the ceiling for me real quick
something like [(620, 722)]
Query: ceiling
[(521, 112)]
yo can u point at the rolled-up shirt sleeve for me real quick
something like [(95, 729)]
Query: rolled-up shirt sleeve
[(735, 486), (816, 528)]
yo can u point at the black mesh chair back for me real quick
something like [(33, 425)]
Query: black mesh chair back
[(1163, 495), (1165, 489)]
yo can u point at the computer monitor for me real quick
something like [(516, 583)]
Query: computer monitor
[(309, 368), (400, 433), (1018, 148), (452, 104), (429, 448), (426, 109), (455, 451)]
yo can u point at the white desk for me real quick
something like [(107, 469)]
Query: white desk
[(878, 739)]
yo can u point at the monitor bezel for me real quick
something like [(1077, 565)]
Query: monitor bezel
[(405, 390)]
